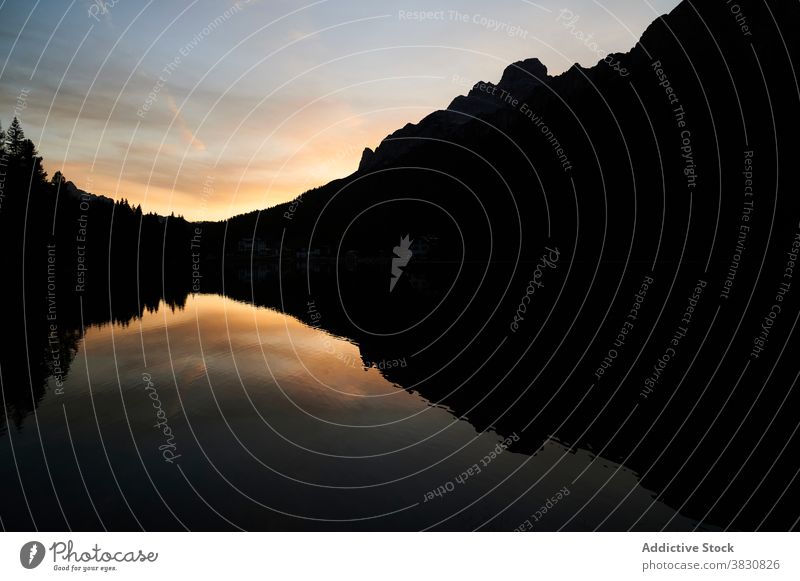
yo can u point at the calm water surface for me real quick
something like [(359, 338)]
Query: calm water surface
[(222, 415)]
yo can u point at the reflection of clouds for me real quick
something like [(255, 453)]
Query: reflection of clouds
[(229, 328), (279, 362), (228, 377)]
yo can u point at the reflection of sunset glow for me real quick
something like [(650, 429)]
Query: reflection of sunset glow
[(317, 364)]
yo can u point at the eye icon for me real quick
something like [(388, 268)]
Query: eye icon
[(31, 554)]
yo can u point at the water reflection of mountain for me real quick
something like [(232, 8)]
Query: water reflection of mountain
[(52, 329), (486, 381)]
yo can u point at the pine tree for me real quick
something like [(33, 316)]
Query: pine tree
[(15, 139), (31, 162)]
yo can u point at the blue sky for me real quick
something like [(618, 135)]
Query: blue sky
[(212, 108)]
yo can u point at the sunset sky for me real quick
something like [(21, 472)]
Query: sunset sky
[(210, 108)]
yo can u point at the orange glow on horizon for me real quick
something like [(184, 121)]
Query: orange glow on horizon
[(182, 179)]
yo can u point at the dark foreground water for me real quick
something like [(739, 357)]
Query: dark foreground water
[(222, 415)]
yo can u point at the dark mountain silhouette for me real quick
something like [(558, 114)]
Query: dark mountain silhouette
[(646, 178), (594, 259)]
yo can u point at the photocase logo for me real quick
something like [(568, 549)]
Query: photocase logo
[(31, 554), (402, 255)]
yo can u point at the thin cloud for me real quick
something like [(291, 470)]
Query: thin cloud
[(186, 134)]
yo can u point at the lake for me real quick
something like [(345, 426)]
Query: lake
[(219, 415)]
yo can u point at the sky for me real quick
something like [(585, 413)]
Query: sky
[(212, 108)]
